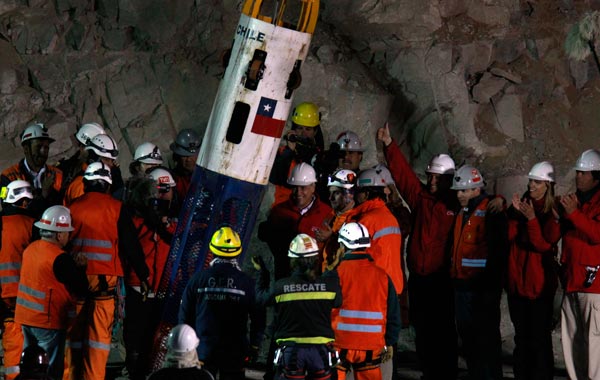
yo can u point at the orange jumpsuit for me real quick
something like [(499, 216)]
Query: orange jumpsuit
[(386, 238), (16, 236), (101, 230), (369, 318)]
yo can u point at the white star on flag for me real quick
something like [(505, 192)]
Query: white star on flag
[(267, 107)]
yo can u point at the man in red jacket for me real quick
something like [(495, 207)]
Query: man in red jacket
[(303, 212), (431, 299), (580, 220)]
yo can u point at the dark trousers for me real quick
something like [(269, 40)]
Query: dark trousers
[(139, 326), (478, 324), (227, 364), (431, 301), (532, 319)]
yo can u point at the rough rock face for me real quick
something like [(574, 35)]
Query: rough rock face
[(486, 80)]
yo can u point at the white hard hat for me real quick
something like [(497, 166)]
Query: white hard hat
[(302, 175), (162, 177), (343, 178), (303, 246), (104, 146), (55, 218), (542, 171), (385, 173), (371, 178), (148, 153), (349, 141), (98, 170), (441, 164), (88, 131), (354, 236), (35, 131), (467, 177), (182, 339), (16, 190), (588, 161)]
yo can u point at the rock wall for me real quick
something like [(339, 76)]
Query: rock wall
[(486, 80)]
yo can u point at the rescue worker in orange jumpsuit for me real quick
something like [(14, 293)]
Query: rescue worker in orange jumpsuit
[(185, 150), (17, 233), (302, 142), (386, 238), (479, 257), (304, 302), (341, 186), (46, 180), (372, 212), (75, 165), (149, 201), (368, 322), (50, 279), (106, 236)]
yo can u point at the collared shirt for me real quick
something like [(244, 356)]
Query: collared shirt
[(37, 177)]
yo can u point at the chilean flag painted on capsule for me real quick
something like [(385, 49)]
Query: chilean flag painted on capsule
[(264, 123)]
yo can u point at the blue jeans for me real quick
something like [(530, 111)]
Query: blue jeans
[(53, 342)]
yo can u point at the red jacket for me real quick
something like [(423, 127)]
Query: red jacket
[(581, 245), (386, 239), (284, 223), (42, 301), (156, 252), (16, 236), (470, 247), (433, 217), (533, 247)]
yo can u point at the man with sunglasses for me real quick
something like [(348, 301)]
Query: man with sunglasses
[(46, 180)]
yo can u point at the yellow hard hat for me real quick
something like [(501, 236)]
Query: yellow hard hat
[(306, 114), (226, 242)]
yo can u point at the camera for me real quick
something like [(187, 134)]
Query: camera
[(293, 138), (590, 275)]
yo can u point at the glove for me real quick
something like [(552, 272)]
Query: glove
[(387, 353), (258, 263), (145, 288)]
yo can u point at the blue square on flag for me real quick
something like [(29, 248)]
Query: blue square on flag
[(264, 123)]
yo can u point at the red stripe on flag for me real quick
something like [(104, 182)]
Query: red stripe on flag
[(267, 126)]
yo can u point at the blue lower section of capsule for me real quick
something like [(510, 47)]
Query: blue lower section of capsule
[(213, 200)]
